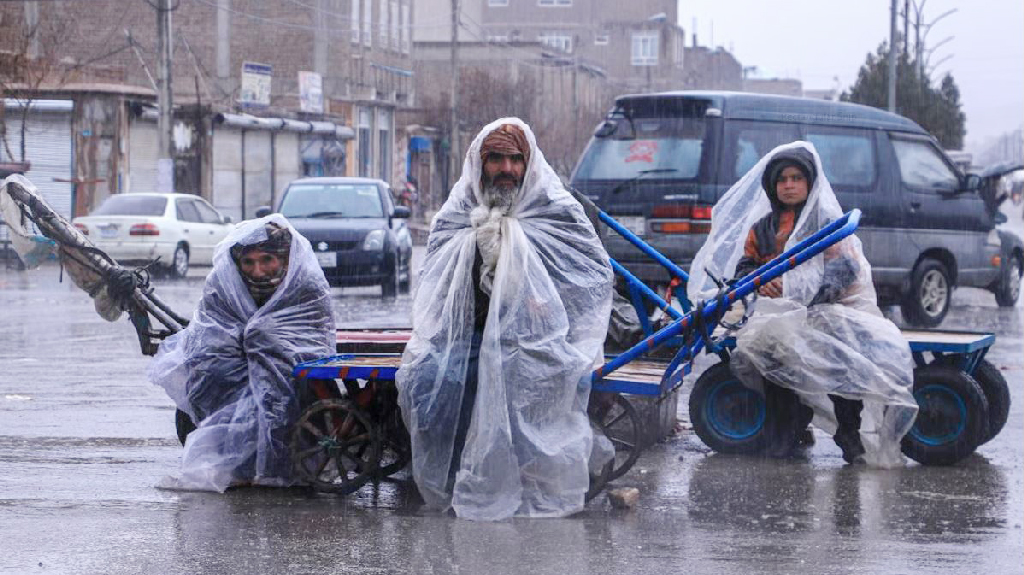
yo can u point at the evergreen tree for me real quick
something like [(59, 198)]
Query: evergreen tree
[(936, 110)]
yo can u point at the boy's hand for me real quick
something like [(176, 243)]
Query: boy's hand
[(772, 288)]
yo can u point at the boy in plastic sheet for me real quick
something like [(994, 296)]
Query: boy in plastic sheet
[(816, 342), (265, 307), (509, 316)]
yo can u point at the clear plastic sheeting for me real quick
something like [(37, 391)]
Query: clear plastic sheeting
[(230, 370), (529, 440), (844, 347)]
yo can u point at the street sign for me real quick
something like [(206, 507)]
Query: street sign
[(256, 85), (311, 93)]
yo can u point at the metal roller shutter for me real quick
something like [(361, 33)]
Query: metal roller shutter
[(48, 149), (142, 157)]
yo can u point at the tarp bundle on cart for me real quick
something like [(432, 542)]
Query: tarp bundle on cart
[(844, 348), (230, 370), (529, 438)]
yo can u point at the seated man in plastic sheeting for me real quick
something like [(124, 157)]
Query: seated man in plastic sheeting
[(817, 330), (509, 317), (265, 307)]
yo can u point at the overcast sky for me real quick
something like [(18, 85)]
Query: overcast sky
[(818, 40)]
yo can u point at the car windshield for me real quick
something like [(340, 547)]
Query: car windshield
[(657, 148), (129, 205), (332, 201)]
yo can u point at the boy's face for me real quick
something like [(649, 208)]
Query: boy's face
[(791, 189)]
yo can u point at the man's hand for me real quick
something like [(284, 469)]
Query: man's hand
[(772, 288)]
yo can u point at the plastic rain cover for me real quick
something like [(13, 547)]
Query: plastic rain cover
[(844, 348), (230, 370), (529, 438)]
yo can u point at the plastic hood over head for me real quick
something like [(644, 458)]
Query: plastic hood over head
[(230, 370), (529, 437), (816, 346)]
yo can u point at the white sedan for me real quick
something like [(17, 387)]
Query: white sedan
[(140, 227)]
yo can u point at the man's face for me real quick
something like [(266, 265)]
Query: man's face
[(504, 171), (260, 265), (791, 187)]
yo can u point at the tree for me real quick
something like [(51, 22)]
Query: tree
[(936, 110)]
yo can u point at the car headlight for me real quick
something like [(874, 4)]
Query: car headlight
[(374, 241)]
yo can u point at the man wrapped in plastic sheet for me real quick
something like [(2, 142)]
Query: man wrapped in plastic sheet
[(817, 330), (265, 307), (509, 317)]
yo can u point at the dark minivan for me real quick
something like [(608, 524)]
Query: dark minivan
[(659, 162), (358, 234)]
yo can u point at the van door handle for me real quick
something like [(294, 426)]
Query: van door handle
[(914, 206)]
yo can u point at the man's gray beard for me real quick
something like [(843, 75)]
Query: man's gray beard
[(499, 197)]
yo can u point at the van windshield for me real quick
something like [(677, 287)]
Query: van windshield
[(664, 148)]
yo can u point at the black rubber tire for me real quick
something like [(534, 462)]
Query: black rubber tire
[(997, 394), (183, 424), (179, 269), (929, 281), (389, 287), (1008, 289), (718, 396), (404, 286), (327, 428), (953, 416)]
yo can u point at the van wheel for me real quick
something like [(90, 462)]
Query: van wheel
[(930, 295), (1008, 289), (953, 416)]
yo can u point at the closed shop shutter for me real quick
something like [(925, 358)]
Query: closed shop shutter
[(48, 149), (227, 172), (142, 157)]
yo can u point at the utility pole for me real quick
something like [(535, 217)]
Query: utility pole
[(165, 103), (892, 57), (453, 139)]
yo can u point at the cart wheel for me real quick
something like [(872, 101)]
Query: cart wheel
[(952, 419), (616, 417), (727, 416), (183, 424), (996, 391), (335, 447)]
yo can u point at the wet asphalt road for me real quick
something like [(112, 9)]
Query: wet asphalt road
[(84, 439)]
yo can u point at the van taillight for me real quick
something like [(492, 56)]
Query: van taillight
[(681, 219), (82, 228), (144, 230)]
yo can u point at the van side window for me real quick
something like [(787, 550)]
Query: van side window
[(848, 158), (751, 141), (921, 166)]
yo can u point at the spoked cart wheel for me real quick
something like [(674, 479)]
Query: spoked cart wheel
[(952, 417), (616, 417), (335, 447)]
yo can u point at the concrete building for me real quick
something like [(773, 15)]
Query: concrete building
[(234, 148)]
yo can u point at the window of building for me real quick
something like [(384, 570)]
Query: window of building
[(406, 30), (396, 34), (645, 49), (354, 21), (554, 2), (680, 51), (558, 40), (601, 39), (382, 21), (367, 23), (497, 2), (384, 144), (365, 142)]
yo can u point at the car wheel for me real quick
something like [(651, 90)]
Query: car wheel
[(1008, 289), (930, 295), (952, 419), (179, 262), (406, 268), (389, 287)]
